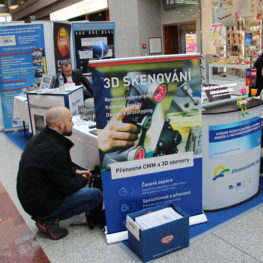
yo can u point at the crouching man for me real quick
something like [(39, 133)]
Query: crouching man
[(49, 186)]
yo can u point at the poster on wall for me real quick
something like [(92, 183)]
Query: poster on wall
[(217, 34), (149, 133), (22, 64), (85, 35), (191, 43), (61, 32)]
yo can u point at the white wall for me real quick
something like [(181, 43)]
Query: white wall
[(125, 15), (178, 15), (137, 20), (149, 22)]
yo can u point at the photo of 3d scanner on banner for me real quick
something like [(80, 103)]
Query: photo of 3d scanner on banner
[(163, 106), (155, 107)]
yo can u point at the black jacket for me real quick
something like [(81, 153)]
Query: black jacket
[(259, 81), (79, 79), (46, 174)]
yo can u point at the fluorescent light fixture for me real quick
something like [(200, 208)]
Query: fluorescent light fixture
[(12, 4), (81, 8), (4, 11)]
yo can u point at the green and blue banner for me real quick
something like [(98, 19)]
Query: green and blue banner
[(149, 120), (234, 138)]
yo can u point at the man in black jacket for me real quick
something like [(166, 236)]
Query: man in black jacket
[(259, 80), (75, 76), (49, 186)]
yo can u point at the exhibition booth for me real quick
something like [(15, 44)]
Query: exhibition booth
[(199, 144)]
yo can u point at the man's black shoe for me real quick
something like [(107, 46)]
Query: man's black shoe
[(51, 228)]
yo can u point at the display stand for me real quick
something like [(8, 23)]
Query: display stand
[(40, 101), (231, 154)]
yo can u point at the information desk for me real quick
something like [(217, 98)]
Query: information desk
[(231, 154), (40, 101), (85, 151)]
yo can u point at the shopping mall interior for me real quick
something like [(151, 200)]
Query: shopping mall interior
[(219, 42)]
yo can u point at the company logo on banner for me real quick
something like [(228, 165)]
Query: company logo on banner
[(220, 172), (61, 35), (63, 42), (149, 134)]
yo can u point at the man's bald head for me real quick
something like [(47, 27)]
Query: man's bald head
[(60, 118)]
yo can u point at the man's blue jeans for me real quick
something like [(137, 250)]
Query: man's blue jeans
[(84, 200)]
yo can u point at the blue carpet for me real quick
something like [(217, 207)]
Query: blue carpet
[(214, 218), (19, 138), (219, 217)]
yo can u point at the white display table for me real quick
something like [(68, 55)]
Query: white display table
[(85, 151), (231, 155)]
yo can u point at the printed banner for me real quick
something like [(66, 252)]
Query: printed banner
[(85, 35), (61, 33), (149, 133), (22, 64), (231, 139)]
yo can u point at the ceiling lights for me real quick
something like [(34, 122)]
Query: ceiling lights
[(12, 4), (4, 11)]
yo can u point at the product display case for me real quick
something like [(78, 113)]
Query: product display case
[(233, 75), (253, 40), (235, 39)]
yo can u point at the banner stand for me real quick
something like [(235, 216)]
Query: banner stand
[(161, 95), (122, 236)]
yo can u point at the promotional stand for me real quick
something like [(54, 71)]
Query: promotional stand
[(231, 154), (39, 103), (85, 35), (160, 95)]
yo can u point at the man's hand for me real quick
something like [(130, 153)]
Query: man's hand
[(85, 173), (118, 134)]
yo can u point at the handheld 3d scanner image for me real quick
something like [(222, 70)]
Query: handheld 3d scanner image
[(168, 141), (147, 96), (184, 100)]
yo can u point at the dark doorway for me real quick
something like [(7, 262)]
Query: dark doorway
[(174, 36)]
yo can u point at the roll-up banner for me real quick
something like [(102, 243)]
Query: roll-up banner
[(85, 35), (62, 32), (22, 64), (158, 98)]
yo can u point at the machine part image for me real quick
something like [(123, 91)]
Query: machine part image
[(160, 92), (137, 153), (133, 153), (187, 102), (168, 141), (147, 95), (194, 141)]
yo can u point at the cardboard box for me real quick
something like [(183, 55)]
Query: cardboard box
[(160, 240)]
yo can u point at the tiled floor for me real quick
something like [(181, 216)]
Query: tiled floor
[(240, 240), (17, 242)]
